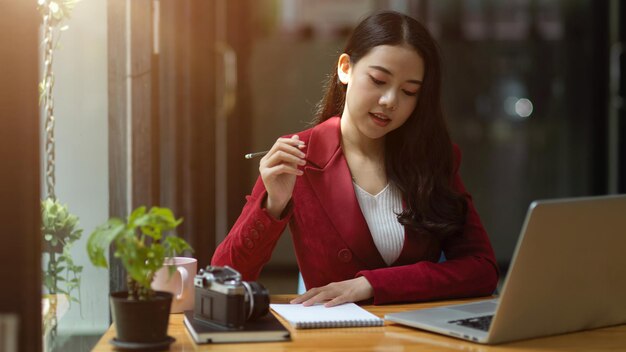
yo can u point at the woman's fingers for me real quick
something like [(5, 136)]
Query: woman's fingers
[(336, 301), (281, 169), (316, 295), (281, 156), (329, 294), (307, 295), (285, 150), (293, 144), (336, 293)]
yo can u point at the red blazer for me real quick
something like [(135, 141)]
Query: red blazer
[(333, 243)]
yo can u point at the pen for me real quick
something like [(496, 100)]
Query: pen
[(254, 155)]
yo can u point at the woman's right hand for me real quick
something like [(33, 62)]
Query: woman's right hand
[(279, 169)]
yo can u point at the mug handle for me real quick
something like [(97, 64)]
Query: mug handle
[(183, 278)]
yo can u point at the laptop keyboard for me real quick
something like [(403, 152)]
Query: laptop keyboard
[(479, 323)]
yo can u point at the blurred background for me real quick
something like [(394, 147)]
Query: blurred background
[(157, 101)]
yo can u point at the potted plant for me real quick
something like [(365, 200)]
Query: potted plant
[(140, 314)]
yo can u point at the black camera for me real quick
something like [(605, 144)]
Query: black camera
[(223, 298)]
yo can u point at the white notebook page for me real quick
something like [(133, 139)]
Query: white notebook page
[(318, 316)]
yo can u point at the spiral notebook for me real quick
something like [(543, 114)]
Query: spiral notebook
[(318, 316)]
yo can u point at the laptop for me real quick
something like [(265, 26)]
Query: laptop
[(568, 273)]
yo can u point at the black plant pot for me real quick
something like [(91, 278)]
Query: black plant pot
[(141, 323)]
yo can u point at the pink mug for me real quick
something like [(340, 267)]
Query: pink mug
[(179, 283)]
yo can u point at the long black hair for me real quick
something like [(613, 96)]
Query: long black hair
[(419, 156)]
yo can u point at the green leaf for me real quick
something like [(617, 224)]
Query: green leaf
[(48, 281), (176, 245), (151, 231), (139, 212), (100, 239)]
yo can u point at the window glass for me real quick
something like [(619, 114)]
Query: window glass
[(74, 294)]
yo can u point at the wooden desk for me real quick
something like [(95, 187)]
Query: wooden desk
[(390, 337)]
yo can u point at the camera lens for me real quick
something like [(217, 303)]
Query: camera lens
[(258, 300)]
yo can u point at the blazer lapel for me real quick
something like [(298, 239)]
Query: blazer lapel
[(329, 176)]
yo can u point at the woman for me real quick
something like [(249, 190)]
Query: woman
[(372, 193)]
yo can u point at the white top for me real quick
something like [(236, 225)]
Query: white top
[(380, 214)]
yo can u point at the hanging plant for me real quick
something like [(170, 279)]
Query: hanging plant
[(58, 226), (61, 276), (59, 229)]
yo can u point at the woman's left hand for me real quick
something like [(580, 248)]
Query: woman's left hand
[(336, 293)]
